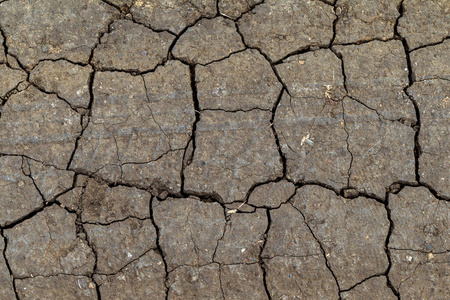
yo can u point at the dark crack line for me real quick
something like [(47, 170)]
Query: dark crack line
[(310, 48), (21, 66), (94, 251), (227, 218), (386, 246), (151, 113), (133, 19), (132, 72), (361, 282), (335, 21), (81, 64), (223, 58), (314, 48), (275, 133), (220, 282), (152, 160), (159, 248), (420, 251), (247, 11), (83, 126), (275, 71), (275, 207), (366, 41), (293, 256), (188, 157), (27, 173), (42, 90), (328, 2), (237, 110), (327, 263), (349, 172), (15, 90), (380, 116), (399, 185), (180, 34), (127, 264), (91, 99), (261, 263), (218, 14), (243, 201), (8, 266), (430, 44), (9, 93), (4, 44), (214, 197), (250, 191), (302, 50), (115, 221), (99, 39), (30, 158), (264, 55), (50, 275), (417, 147), (411, 79), (344, 76), (338, 192), (196, 266), (432, 78), (28, 216), (172, 56), (6, 53), (82, 234), (124, 9)]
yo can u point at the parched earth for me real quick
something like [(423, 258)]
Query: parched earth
[(229, 149)]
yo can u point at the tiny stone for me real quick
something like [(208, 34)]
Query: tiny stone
[(163, 195), (350, 193), (395, 188)]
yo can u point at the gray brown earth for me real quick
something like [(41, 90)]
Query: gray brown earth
[(229, 149)]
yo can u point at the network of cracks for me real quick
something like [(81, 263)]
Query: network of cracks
[(224, 149)]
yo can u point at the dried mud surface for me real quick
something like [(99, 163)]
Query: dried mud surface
[(228, 149)]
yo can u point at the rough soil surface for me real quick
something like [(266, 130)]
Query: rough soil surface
[(224, 149)]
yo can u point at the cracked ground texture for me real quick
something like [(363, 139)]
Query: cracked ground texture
[(228, 149)]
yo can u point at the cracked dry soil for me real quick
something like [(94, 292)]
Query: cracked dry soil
[(229, 149)]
